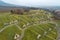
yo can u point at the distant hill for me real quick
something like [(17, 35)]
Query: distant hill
[(6, 4)]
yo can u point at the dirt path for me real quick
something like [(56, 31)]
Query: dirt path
[(5, 27)]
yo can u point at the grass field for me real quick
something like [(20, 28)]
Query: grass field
[(28, 26), (32, 32)]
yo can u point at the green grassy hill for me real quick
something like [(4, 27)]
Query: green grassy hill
[(32, 25)]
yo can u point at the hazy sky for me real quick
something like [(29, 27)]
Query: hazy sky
[(34, 2)]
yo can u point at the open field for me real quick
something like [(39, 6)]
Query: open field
[(32, 25)]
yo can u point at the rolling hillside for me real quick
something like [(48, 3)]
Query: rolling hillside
[(32, 25)]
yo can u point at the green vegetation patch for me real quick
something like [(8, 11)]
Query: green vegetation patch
[(9, 33), (32, 32)]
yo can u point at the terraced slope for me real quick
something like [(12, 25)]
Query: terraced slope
[(34, 25)]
